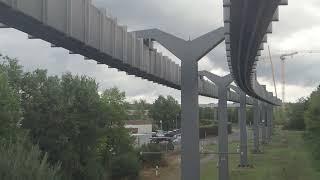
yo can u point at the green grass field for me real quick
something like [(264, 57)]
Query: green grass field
[(286, 158)]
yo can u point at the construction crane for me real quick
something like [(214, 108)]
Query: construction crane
[(283, 61), (283, 58)]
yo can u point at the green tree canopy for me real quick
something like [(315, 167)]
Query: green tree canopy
[(68, 119), (140, 110), (165, 110), (295, 115), (312, 122)]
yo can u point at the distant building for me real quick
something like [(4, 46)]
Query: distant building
[(141, 130)]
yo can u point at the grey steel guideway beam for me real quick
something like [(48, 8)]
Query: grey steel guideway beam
[(256, 132), (246, 24), (81, 28), (189, 52), (223, 88), (243, 127)]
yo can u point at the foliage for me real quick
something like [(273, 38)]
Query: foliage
[(166, 110), (22, 161), (312, 120), (12, 70), (114, 107), (233, 115), (140, 110), (279, 116), (211, 130), (294, 115), (125, 166), (9, 109), (249, 115), (155, 158), (68, 119), (62, 116), (206, 113), (114, 142)]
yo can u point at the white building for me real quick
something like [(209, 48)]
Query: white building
[(141, 130)]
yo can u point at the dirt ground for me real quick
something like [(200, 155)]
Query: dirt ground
[(172, 171)]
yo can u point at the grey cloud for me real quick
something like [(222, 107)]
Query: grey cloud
[(182, 18)]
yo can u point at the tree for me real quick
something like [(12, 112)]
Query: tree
[(295, 115), (68, 119), (312, 122), (12, 70), (115, 145), (140, 109), (233, 115), (206, 115), (62, 116), (165, 110), (114, 107), (21, 160), (10, 113)]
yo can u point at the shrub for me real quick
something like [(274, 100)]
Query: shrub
[(211, 130), (22, 161), (153, 156), (125, 166), (208, 131)]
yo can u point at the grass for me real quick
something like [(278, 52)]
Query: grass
[(285, 158)]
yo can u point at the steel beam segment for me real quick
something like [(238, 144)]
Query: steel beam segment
[(243, 126), (3, 26), (223, 163), (190, 157), (222, 83), (256, 120), (198, 47), (263, 123), (189, 52)]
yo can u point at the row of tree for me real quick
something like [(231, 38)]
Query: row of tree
[(305, 115), (62, 127)]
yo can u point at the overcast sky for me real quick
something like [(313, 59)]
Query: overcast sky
[(298, 29)]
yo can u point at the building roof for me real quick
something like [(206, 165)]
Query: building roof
[(138, 122)]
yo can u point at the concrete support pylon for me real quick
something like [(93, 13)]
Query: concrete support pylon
[(256, 132), (243, 126), (270, 117), (223, 87), (263, 124), (189, 52), (269, 123)]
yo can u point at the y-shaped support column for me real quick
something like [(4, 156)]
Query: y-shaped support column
[(189, 52), (269, 128), (269, 119), (256, 120), (222, 83), (243, 127), (263, 123)]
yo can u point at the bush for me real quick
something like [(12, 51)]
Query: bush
[(312, 121), (208, 131), (295, 112), (22, 161), (212, 130), (153, 159), (125, 166)]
